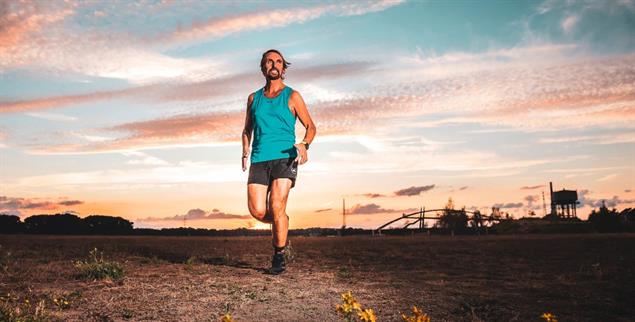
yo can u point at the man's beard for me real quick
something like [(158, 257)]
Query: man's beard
[(277, 76)]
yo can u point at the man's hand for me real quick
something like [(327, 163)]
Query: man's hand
[(302, 156), (244, 164)]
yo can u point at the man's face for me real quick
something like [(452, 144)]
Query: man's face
[(273, 66)]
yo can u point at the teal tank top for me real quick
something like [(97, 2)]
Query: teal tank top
[(274, 127)]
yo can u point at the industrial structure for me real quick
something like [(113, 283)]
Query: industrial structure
[(563, 202)]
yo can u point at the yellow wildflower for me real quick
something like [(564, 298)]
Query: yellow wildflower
[(367, 315), (418, 316), (227, 318), (549, 317)]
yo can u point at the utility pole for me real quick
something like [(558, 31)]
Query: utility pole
[(343, 213), (544, 204), (554, 210)]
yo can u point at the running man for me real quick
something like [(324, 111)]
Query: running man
[(271, 115)]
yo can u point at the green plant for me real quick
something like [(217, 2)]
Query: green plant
[(12, 309), (96, 267), (190, 261), (344, 273)]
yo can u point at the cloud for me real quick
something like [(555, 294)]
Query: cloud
[(614, 202), (13, 205), (508, 205), (79, 52), (36, 36), (70, 202), (53, 116), (570, 22), (463, 188), (181, 130), (373, 195), (608, 177), (532, 187), (544, 97), (221, 86), (144, 159), (530, 199), (58, 101), (215, 28), (20, 20), (413, 191), (624, 136), (367, 209), (132, 178), (199, 214), (557, 91)]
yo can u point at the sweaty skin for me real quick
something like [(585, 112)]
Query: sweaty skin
[(274, 211)]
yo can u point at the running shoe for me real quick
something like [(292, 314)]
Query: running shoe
[(277, 264)]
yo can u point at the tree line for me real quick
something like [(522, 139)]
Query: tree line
[(65, 223), (451, 221), (70, 224)]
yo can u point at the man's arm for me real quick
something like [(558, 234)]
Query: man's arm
[(303, 114), (247, 131)]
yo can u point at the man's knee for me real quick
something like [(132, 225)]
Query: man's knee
[(260, 214), (278, 207)]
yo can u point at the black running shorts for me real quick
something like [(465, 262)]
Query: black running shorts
[(265, 172)]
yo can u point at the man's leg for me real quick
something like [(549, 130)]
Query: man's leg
[(278, 200), (257, 202)]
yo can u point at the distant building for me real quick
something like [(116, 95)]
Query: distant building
[(563, 202)]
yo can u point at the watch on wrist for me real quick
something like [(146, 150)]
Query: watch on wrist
[(306, 144)]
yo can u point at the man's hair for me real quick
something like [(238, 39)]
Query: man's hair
[(263, 61)]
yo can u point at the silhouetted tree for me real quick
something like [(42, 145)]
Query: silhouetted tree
[(628, 214), (65, 223), (10, 224), (606, 221), (454, 220), (107, 225)]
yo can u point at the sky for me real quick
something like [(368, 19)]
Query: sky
[(136, 109)]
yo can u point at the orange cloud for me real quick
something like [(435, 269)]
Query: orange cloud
[(532, 187), (17, 21), (197, 214), (220, 27), (58, 101), (17, 205)]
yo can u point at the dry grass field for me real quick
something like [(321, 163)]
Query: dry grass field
[(462, 278)]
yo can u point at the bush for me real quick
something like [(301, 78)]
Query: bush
[(95, 267)]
